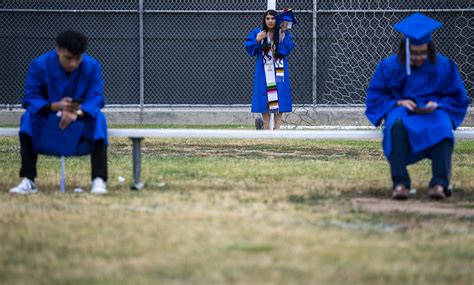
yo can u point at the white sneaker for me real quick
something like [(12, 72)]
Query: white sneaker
[(25, 187), (98, 186)]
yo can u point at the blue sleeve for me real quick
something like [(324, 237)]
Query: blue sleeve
[(35, 87), (454, 98), (379, 99), (251, 45), (286, 46), (94, 98)]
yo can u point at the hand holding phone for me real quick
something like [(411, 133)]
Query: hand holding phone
[(76, 104), (422, 110), (430, 107)]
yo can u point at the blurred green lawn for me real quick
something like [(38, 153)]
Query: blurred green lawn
[(233, 212)]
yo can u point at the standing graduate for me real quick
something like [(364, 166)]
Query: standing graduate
[(271, 44), (63, 98), (421, 98)]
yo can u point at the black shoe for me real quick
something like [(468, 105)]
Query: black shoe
[(400, 193), (259, 123), (436, 193)]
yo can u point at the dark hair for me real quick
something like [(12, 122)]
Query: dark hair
[(74, 42), (276, 34), (402, 53)]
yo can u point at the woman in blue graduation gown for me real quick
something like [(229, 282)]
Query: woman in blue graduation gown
[(63, 98), (281, 45), (420, 97)]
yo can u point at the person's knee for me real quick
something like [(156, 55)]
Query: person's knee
[(398, 125), (99, 142), (25, 136), (26, 142), (446, 144), (398, 128)]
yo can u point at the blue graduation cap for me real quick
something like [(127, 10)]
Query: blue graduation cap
[(286, 16), (417, 29)]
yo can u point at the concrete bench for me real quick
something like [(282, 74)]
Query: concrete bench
[(137, 135)]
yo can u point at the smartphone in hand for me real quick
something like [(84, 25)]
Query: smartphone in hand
[(76, 103), (78, 100), (424, 110)]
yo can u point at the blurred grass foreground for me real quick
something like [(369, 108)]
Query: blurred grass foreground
[(237, 212)]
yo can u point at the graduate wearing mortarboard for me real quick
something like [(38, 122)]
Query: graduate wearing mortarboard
[(420, 96), (271, 44), (63, 98)]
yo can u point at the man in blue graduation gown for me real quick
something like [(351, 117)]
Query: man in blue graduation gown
[(63, 98), (421, 98)]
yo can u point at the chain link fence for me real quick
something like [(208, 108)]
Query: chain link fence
[(353, 36), (186, 52)]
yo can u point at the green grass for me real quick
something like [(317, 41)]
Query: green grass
[(233, 212), (161, 126), (171, 126)]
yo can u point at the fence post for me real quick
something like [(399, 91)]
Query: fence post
[(142, 87), (315, 52)]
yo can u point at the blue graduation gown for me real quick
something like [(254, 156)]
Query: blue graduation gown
[(440, 83), (259, 94), (47, 82)]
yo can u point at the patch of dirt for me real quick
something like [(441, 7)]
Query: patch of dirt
[(246, 149), (375, 205)]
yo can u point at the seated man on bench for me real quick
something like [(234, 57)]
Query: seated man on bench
[(63, 98)]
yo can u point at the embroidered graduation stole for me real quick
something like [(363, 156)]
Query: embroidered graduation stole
[(274, 72)]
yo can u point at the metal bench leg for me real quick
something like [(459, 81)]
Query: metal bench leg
[(137, 161)]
